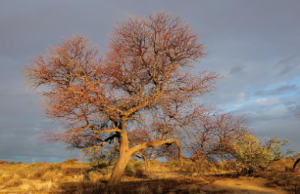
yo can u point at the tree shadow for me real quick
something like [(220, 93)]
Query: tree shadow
[(158, 186), (141, 186)]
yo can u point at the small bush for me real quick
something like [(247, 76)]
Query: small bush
[(292, 186), (173, 164), (71, 160), (3, 161), (72, 171), (100, 166), (138, 164), (129, 170), (140, 173), (53, 167)]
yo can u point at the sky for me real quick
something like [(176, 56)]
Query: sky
[(252, 44)]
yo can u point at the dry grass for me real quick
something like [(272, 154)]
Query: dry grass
[(26, 186), (72, 176), (46, 186), (41, 177), (14, 181)]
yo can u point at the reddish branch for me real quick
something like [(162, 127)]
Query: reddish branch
[(214, 136), (146, 71)]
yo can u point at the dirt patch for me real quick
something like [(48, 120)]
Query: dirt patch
[(241, 185)]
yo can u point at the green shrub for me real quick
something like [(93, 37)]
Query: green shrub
[(251, 155)]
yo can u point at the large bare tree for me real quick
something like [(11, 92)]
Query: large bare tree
[(146, 71)]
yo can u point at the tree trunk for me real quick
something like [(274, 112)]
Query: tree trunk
[(119, 170), (125, 154), (117, 173), (147, 165)]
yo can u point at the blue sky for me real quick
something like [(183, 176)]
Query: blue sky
[(253, 45)]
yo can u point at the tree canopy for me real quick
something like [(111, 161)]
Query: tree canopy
[(145, 80)]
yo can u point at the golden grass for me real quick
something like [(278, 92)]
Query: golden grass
[(59, 177), (26, 186), (14, 181), (46, 186)]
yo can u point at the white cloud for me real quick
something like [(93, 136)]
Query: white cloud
[(266, 100), (238, 106), (241, 96)]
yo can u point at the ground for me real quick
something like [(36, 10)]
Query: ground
[(163, 177)]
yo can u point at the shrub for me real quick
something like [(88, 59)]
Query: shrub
[(72, 171), (292, 185), (100, 166), (3, 161), (54, 167), (71, 160), (250, 154), (138, 164), (129, 170), (140, 173)]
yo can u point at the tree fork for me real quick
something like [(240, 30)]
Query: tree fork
[(126, 154)]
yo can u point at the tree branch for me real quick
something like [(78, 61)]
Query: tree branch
[(156, 143), (106, 130)]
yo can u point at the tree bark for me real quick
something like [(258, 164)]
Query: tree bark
[(119, 170), (125, 154), (120, 166), (147, 165)]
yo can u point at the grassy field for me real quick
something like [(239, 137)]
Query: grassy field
[(163, 177)]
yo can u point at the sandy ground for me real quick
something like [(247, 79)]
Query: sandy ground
[(240, 186)]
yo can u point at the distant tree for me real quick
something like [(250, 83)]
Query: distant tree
[(144, 71), (213, 135), (274, 144)]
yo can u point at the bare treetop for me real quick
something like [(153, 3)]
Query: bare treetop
[(144, 72)]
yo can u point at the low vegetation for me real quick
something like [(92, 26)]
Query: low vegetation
[(73, 176)]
